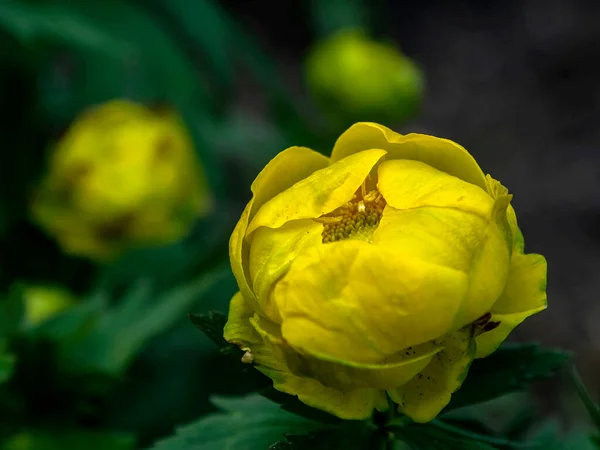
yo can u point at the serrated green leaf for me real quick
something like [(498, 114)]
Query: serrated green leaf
[(250, 423), (212, 324), (76, 439), (513, 367), (122, 330), (30, 21), (431, 437), (349, 436)]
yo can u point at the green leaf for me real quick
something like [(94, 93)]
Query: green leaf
[(76, 439), (348, 436), (12, 311), (333, 15), (513, 367), (212, 324), (7, 365), (30, 22), (204, 27), (250, 423), (122, 330), (156, 70), (431, 437)]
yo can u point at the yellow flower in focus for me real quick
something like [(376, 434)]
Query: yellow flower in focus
[(381, 271), (355, 77), (123, 176), (44, 302)]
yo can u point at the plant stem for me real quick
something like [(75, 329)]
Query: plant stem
[(584, 395)]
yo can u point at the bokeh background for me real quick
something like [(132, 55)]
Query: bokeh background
[(515, 82)]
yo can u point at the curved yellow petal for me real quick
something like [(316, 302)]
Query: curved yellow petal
[(445, 236), (318, 194), (442, 154), (238, 329), (283, 171), (271, 253), (523, 296), (271, 359), (356, 302), (424, 397), (396, 369), (441, 219), (238, 253), (409, 184), (496, 190)]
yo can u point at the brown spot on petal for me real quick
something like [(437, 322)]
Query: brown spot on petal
[(483, 319), (490, 326), (115, 229)]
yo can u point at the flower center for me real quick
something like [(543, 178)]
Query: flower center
[(357, 219)]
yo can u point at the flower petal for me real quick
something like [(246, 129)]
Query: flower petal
[(283, 171), (286, 169), (271, 253), (523, 296), (319, 193), (270, 359), (238, 329), (496, 190), (238, 253), (397, 369), (440, 219), (444, 236), (412, 184), (442, 154), (352, 301), (424, 397)]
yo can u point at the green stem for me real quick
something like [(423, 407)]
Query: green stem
[(584, 395)]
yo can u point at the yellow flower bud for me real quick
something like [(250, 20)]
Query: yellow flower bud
[(352, 76), (381, 271), (123, 176), (44, 302)]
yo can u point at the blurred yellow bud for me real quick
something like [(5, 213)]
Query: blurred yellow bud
[(123, 176), (354, 77), (44, 302)]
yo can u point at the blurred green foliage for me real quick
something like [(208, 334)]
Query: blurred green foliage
[(123, 367)]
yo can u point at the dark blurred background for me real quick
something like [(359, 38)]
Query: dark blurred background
[(515, 82)]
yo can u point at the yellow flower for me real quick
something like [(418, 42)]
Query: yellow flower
[(123, 176), (385, 269), (355, 77), (44, 302)]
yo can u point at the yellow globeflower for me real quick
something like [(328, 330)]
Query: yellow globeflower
[(385, 269), (123, 176), (44, 302), (353, 76)]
